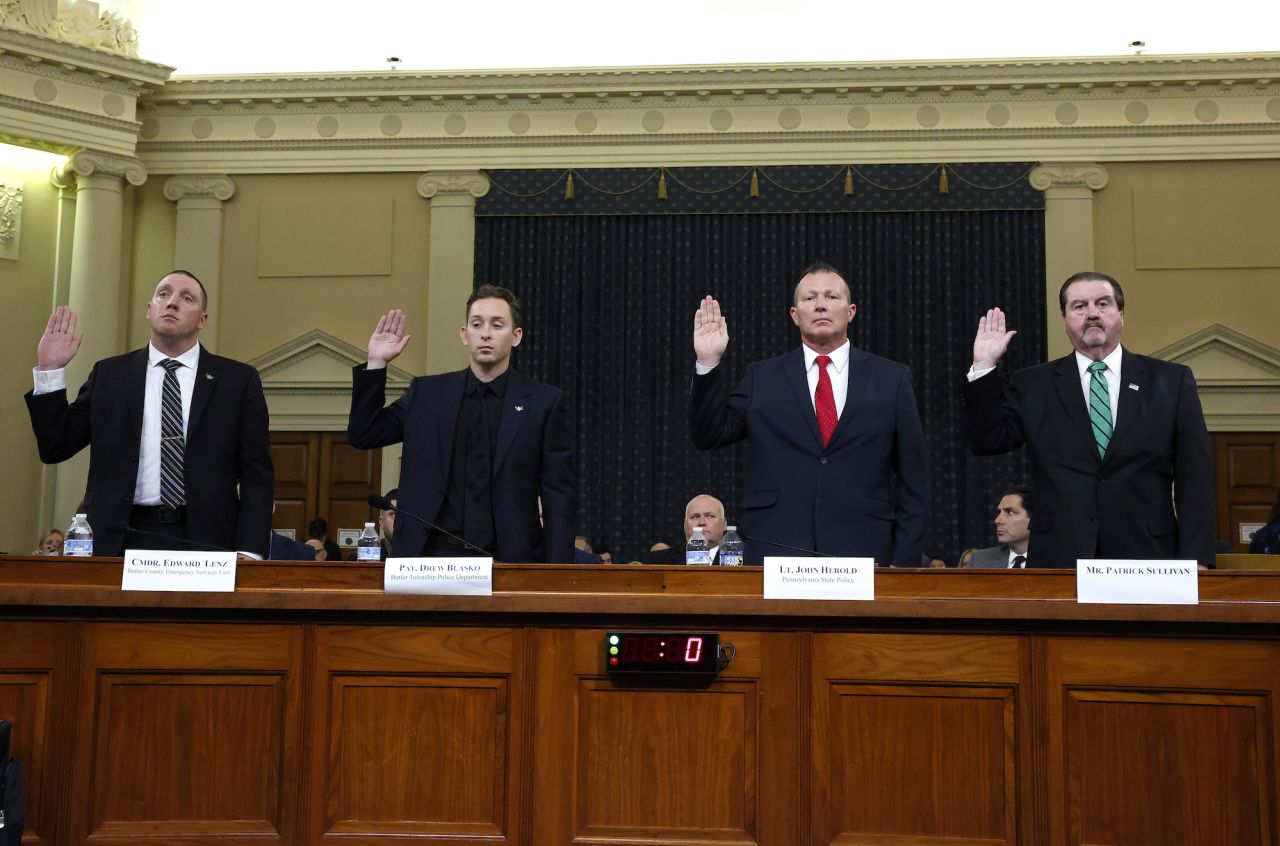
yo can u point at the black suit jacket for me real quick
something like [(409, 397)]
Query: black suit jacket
[(534, 457), (865, 494), (285, 548), (227, 443), (1118, 506)]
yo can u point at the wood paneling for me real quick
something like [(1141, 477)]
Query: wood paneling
[(898, 757), (34, 692), (1157, 743), (1248, 475), (189, 731), (420, 737), (318, 474)]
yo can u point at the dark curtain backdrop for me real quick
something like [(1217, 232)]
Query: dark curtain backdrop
[(609, 302)]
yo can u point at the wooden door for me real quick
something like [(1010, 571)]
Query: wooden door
[(1248, 473), (318, 474)]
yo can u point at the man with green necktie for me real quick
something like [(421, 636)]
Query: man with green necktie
[(1119, 451)]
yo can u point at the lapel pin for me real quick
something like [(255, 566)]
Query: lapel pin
[(1134, 387), (209, 376), (519, 408)]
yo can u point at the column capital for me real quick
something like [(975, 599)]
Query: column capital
[(199, 186), (93, 163), (454, 183), (1068, 175)]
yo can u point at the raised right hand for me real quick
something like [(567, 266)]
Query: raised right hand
[(388, 339), (710, 333), (991, 341), (59, 343)]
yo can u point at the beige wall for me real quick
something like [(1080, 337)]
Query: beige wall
[(26, 291), (332, 252), (1193, 243)]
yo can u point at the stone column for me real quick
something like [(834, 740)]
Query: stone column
[(97, 290), (1068, 233), (451, 266), (197, 245)]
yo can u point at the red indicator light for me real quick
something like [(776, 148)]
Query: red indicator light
[(613, 662)]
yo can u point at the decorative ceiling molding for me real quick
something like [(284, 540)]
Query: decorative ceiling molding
[(1130, 108), (316, 363), (1237, 377), (64, 97)]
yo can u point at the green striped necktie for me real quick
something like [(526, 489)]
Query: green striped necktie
[(1100, 407)]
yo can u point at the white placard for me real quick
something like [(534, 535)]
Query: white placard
[(1137, 582), (449, 576), (819, 578), (180, 570)]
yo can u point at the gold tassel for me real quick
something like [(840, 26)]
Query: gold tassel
[(944, 186), (568, 187), (755, 184), (662, 184), (848, 181)]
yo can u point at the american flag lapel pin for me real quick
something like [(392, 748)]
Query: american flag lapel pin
[(1133, 386)]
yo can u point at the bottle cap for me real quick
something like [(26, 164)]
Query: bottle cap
[(697, 530), (368, 525), (731, 528)]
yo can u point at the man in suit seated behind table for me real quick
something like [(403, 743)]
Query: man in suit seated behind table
[(1013, 530), (703, 510)]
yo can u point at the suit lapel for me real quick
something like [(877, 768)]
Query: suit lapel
[(798, 378), (1132, 400), (136, 392), (206, 380), (519, 389), (1066, 379)]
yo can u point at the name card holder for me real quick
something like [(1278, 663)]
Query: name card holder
[(1137, 582), (439, 576), (179, 570), (819, 578)]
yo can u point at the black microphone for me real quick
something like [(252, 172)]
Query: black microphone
[(188, 544), (385, 504), (810, 552)]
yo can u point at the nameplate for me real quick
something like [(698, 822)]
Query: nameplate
[(819, 578), (1137, 582), (179, 570), (447, 576)]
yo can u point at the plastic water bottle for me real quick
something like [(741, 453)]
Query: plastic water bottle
[(697, 551), (79, 538), (369, 547), (731, 548)]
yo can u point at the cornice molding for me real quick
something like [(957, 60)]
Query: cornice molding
[(455, 182), (1095, 110), (92, 163), (1068, 175), (89, 62), (199, 186)]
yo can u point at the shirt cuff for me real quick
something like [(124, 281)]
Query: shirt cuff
[(252, 556), (701, 369), (48, 381), (975, 375)]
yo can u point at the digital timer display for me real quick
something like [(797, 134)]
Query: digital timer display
[(662, 652)]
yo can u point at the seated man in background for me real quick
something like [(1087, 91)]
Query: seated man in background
[(318, 529), (703, 510), (387, 521), (1013, 531), (50, 543)]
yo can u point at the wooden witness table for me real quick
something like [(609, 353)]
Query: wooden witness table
[(961, 707)]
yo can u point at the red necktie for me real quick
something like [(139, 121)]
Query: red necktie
[(824, 400)]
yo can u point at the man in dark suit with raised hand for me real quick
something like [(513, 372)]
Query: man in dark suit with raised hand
[(172, 428), (836, 451), (480, 445), (1119, 451)]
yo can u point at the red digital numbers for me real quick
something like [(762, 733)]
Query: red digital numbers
[(693, 650)]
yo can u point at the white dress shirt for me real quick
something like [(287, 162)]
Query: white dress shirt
[(146, 489), (1013, 555), (838, 370)]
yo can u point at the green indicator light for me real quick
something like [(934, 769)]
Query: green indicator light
[(613, 650), (613, 639)]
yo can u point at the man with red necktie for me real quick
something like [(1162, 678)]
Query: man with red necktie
[(836, 452)]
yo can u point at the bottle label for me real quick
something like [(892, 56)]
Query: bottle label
[(369, 553), (697, 556), (730, 559), (77, 547)]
